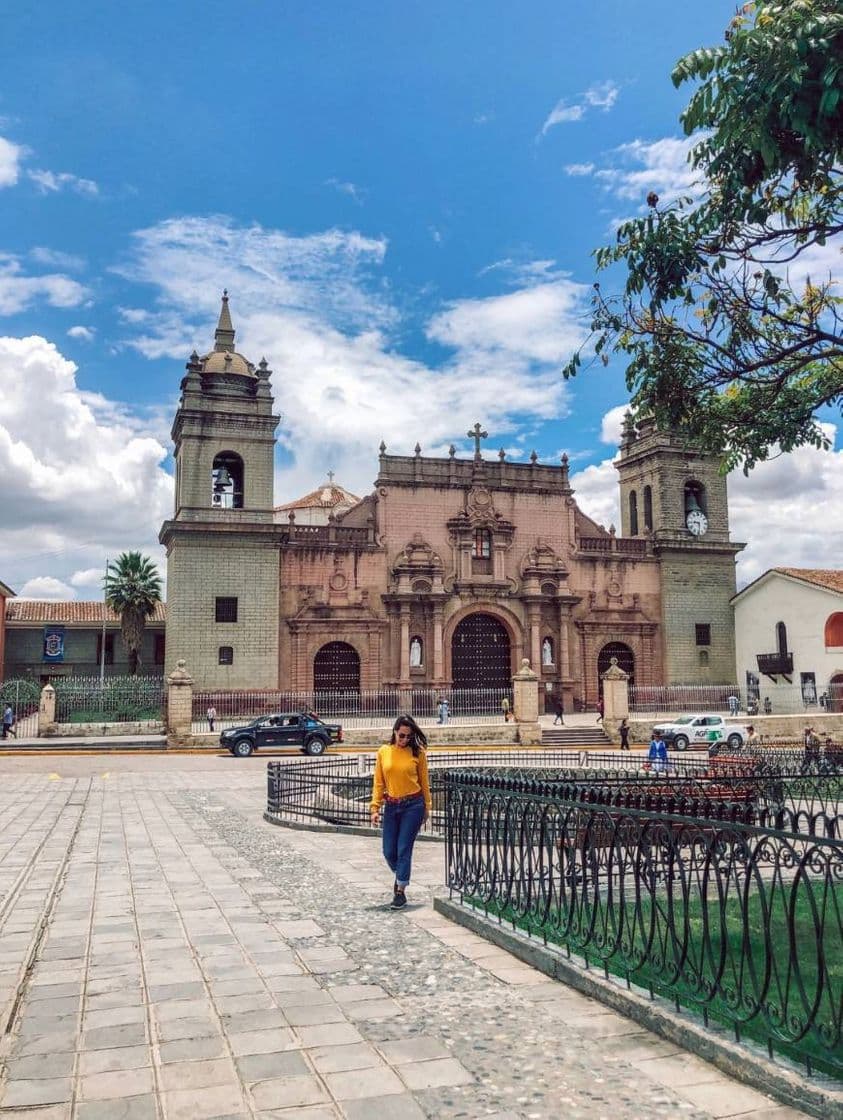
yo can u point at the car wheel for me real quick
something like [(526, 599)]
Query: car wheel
[(315, 746), (242, 748), (681, 742), (735, 742)]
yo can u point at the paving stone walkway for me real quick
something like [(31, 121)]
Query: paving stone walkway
[(167, 955)]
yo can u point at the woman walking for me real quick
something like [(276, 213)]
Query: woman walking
[(402, 787), (624, 732)]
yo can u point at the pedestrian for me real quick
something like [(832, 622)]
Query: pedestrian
[(442, 709), (505, 708), (212, 715), (753, 739), (624, 734), (559, 708), (9, 722), (734, 704), (657, 756), (812, 745), (401, 785), (768, 706), (600, 710)]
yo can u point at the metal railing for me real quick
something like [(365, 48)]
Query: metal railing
[(353, 709), (772, 699), (739, 921), (115, 700)]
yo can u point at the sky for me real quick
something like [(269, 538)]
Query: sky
[(402, 201)]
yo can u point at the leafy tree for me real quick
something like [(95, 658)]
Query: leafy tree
[(729, 315), (132, 589)]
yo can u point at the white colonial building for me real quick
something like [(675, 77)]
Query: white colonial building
[(789, 638)]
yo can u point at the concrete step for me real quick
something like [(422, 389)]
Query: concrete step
[(575, 737)]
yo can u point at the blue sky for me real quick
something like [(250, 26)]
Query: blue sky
[(402, 200)]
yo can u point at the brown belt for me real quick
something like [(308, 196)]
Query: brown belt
[(400, 800)]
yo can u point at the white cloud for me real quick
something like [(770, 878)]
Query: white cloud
[(80, 480), (319, 311), (55, 258), (354, 192), (84, 334), (641, 166), (596, 491), (10, 159), (610, 427), (88, 577), (51, 182), (483, 118), (46, 587), (18, 290), (600, 95)]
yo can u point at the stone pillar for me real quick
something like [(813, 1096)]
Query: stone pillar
[(615, 698), (564, 647), (179, 706), (525, 703), (534, 625), (438, 660), (404, 663), (47, 711)]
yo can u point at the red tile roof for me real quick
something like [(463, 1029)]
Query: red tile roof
[(45, 610), (829, 578)]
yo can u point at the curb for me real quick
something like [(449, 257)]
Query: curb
[(741, 1061)]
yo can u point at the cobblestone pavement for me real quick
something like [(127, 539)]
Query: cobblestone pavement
[(164, 953)]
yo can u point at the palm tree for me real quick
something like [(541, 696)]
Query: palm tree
[(132, 589)]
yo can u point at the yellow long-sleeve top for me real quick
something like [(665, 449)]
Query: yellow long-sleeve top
[(399, 774)]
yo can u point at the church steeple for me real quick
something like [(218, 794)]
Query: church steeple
[(224, 334)]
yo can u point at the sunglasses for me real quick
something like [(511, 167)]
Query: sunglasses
[(403, 734)]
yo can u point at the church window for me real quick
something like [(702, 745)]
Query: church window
[(781, 637), (633, 513), (227, 481), (703, 633), (482, 544), (703, 658), (834, 630), (226, 609), (226, 655), (416, 652), (648, 507)]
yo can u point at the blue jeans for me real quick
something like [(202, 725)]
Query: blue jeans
[(401, 824)]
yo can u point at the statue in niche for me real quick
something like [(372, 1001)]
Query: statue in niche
[(415, 653), (547, 652)]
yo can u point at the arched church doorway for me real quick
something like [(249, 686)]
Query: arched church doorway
[(480, 653), (626, 661), (336, 668)]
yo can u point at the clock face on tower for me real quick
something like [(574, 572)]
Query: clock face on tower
[(697, 522)]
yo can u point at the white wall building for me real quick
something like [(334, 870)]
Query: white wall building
[(789, 639)]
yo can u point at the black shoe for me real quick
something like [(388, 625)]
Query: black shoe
[(399, 900)]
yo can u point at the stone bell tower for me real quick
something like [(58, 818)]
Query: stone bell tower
[(678, 499), (222, 564)]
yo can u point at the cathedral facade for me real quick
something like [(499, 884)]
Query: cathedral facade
[(447, 574)]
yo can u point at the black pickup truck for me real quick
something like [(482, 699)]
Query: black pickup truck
[(286, 729)]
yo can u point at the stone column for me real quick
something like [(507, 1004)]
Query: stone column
[(525, 703), (615, 698), (534, 625), (404, 669), (47, 711), (438, 651), (179, 706), (564, 647)]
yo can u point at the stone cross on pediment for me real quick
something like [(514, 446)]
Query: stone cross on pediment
[(477, 434)]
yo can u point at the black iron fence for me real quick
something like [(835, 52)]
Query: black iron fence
[(691, 888), (112, 700)]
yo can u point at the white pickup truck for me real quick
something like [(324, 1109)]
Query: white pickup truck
[(700, 731)]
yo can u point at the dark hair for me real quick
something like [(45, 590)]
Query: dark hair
[(417, 739)]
